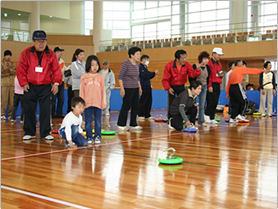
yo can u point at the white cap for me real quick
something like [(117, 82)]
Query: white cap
[(218, 50)]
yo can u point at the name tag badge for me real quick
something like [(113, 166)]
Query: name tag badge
[(38, 69)]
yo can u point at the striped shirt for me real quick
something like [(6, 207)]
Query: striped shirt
[(129, 74)]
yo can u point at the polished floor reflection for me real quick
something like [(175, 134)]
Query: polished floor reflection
[(225, 166)]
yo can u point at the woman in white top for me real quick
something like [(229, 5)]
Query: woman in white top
[(77, 70), (267, 88)]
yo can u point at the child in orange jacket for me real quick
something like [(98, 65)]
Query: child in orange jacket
[(235, 91), (92, 90)]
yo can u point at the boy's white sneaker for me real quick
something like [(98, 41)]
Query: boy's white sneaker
[(169, 125), (141, 118), (213, 121), (97, 140)]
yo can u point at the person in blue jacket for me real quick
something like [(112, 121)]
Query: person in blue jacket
[(145, 80)]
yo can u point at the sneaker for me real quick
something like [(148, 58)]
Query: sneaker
[(123, 128), (136, 127), (150, 118), (21, 121), (141, 118), (269, 115), (3, 117), (49, 138), (12, 120), (240, 117), (28, 137), (233, 120), (207, 119), (169, 125), (191, 126), (90, 141), (9, 118), (97, 140)]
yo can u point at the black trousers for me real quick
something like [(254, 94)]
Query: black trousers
[(70, 96), (130, 100), (43, 95), (60, 104), (145, 103), (212, 100), (177, 91), (238, 100), (17, 98), (177, 120)]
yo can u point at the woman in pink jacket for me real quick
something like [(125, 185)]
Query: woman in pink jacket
[(92, 90)]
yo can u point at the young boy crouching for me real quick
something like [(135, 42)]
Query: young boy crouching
[(71, 129)]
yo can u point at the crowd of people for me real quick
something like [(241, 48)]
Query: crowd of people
[(41, 74)]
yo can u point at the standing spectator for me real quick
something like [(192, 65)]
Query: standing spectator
[(39, 74), (203, 59), (109, 80), (92, 90), (8, 70), (231, 66), (68, 82), (214, 85), (243, 83), (18, 97), (130, 89), (77, 70), (145, 80), (175, 76), (60, 95), (235, 92), (267, 88)]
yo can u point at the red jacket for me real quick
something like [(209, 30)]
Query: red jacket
[(28, 61), (173, 77), (215, 67)]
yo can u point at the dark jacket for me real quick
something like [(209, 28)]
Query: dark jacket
[(193, 79), (145, 76), (27, 63), (261, 80), (186, 98)]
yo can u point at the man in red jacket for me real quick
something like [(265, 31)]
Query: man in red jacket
[(39, 74), (215, 80), (175, 76)]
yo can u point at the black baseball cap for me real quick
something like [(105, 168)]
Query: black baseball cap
[(39, 35), (58, 49)]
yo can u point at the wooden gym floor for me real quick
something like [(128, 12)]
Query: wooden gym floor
[(224, 166)]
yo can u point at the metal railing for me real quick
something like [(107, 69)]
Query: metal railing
[(247, 34), (11, 34)]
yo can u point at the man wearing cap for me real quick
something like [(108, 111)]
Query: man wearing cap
[(60, 95), (175, 76), (39, 74), (8, 70), (215, 80), (109, 80)]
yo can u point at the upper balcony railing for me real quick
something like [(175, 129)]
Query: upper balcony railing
[(245, 34), (11, 34)]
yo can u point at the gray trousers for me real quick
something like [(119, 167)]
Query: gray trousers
[(108, 95)]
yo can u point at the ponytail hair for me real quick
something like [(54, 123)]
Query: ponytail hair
[(76, 53)]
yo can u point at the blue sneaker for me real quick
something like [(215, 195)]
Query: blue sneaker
[(97, 140)]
